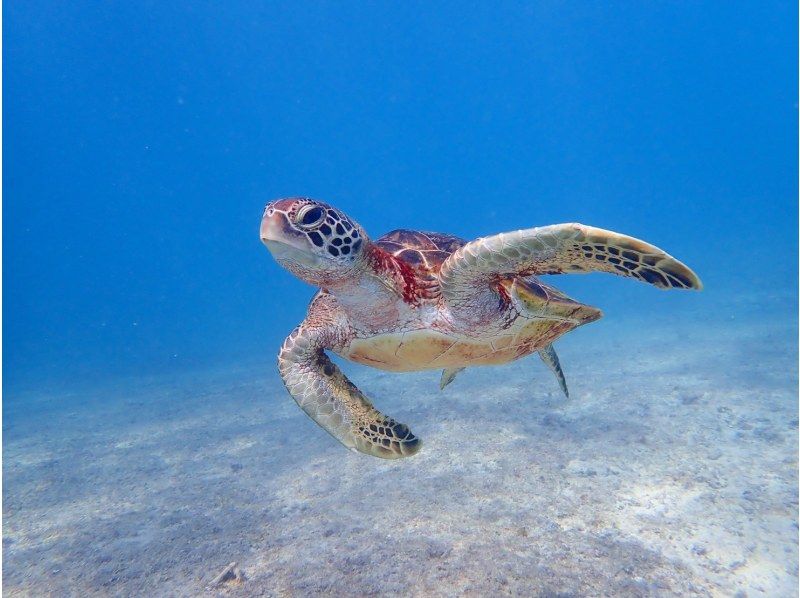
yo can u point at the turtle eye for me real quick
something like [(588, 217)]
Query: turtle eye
[(310, 216)]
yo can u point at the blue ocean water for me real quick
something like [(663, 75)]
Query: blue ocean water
[(142, 141)]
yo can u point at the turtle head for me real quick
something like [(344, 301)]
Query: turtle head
[(314, 241)]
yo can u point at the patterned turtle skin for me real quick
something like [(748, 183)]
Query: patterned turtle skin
[(413, 300)]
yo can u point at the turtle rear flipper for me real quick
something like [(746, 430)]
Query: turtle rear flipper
[(448, 375), (331, 400), (535, 300), (549, 357), (469, 273)]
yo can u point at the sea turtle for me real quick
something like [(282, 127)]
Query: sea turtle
[(420, 300)]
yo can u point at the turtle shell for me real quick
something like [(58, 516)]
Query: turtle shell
[(423, 251), (549, 314)]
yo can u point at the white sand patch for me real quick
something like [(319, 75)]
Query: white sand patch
[(671, 471)]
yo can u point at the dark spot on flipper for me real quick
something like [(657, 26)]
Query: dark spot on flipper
[(621, 268), (386, 442), (600, 257), (630, 255), (681, 278), (653, 277), (587, 254), (675, 282), (629, 265), (650, 260), (327, 369), (586, 247), (373, 427), (612, 250), (401, 431), (614, 260)]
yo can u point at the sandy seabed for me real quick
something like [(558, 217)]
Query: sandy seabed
[(671, 471)]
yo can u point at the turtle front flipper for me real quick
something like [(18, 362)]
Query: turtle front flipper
[(331, 400), (468, 276)]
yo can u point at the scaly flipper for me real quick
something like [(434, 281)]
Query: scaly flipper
[(331, 400), (469, 274), (448, 376), (548, 355)]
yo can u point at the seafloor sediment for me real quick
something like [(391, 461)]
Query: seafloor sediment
[(671, 471)]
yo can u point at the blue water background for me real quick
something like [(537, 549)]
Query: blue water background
[(142, 140)]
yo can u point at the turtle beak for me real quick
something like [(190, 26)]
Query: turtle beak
[(275, 230), (274, 237), (283, 243), (270, 230)]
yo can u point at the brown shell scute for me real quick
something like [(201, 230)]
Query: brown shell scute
[(423, 251)]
